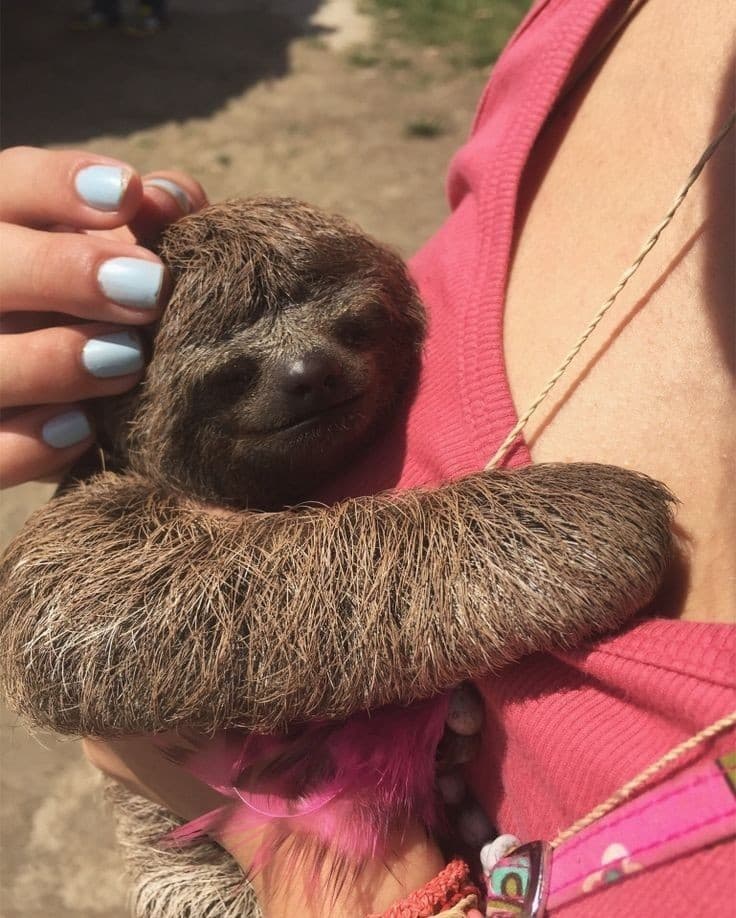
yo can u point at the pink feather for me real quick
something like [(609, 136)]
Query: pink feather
[(342, 785)]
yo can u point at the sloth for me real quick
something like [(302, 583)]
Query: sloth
[(188, 584)]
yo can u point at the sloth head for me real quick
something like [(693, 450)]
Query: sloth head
[(287, 342)]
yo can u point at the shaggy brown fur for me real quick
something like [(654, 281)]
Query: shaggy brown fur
[(126, 610), (198, 882), (155, 596), (269, 292), (127, 606)]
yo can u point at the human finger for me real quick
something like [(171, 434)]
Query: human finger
[(167, 196), (45, 187), (137, 762), (80, 275), (68, 363), (42, 441)]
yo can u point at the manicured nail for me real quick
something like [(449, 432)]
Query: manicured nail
[(66, 429), (131, 281), (172, 189), (102, 187), (116, 354)]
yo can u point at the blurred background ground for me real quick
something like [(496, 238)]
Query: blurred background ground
[(355, 107)]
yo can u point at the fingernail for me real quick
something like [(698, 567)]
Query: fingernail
[(172, 189), (116, 354), (102, 187), (66, 429), (131, 281)]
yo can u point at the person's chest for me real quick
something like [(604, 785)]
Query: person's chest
[(654, 388)]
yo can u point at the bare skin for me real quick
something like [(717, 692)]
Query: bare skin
[(655, 388), (51, 303), (656, 391), (137, 764)]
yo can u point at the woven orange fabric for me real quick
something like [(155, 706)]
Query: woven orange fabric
[(450, 886)]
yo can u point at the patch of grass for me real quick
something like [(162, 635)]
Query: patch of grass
[(223, 159), (425, 127), (362, 56), (472, 32), (399, 63), (317, 41)]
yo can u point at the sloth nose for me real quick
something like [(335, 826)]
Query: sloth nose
[(314, 379)]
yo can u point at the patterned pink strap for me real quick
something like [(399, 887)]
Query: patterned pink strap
[(686, 813)]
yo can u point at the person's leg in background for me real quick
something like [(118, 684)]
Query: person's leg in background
[(150, 18), (98, 15)]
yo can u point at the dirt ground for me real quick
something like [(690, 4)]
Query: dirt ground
[(249, 97)]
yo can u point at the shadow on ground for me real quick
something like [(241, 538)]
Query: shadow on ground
[(61, 86)]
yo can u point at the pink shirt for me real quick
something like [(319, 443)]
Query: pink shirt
[(563, 732)]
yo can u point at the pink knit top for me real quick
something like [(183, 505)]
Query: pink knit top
[(563, 732)]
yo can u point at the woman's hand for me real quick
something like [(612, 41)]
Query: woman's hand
[(411, 861), (74, 286), (412, 858)]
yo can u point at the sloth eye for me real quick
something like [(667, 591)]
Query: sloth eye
[(359, 331), (233, 379)]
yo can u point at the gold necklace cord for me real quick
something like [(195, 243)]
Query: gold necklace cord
[(505, 447), (628, 789)]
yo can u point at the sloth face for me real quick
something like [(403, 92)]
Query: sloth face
[(285, 348), (266, 417)]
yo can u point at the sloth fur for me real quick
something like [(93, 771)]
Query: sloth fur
[(126, 610), (132, 604), (174, 589), (202, 881)]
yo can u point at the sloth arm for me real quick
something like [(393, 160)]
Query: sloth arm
[(126, 609)]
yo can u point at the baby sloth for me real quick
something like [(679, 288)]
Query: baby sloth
[(181, 588), (290, 337)]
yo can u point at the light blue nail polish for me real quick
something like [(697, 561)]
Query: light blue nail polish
[(131, 281), (115, 354), (171, 188), (66, 429), (102, 187)]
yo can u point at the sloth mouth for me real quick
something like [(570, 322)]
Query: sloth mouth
[(338, 412), (320, 418)]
